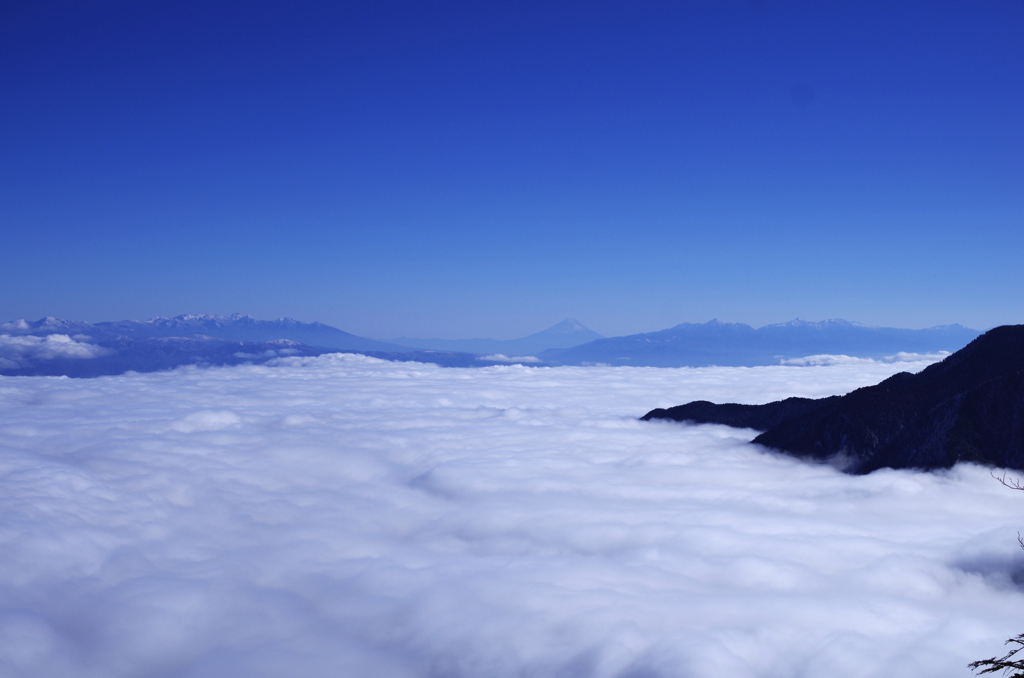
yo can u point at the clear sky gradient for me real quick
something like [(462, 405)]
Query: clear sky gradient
[(485, 169)]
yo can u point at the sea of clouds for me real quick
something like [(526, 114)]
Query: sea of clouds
[(345, 516), (18, 352)]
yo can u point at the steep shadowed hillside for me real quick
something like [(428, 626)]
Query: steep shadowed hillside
[(969, 407)]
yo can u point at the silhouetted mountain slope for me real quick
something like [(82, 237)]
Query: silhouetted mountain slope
[(759, 417), (969, 407), (736, 344), (568, 333)]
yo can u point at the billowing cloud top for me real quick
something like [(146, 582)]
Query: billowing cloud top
[(343, 516), (16, 351)]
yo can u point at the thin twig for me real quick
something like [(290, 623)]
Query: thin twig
[(1013, 484)]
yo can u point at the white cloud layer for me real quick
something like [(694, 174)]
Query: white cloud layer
[(19, 351), (343, 516), (502, 358), (826, 359), (269, 353)]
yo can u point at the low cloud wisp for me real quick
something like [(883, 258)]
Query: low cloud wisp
[(502, 358), (342, 515), (823, 360)]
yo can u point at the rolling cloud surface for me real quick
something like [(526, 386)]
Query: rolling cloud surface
[(344, 516)]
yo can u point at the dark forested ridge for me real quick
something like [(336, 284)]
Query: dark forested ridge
[(969, 407), (759, 417)]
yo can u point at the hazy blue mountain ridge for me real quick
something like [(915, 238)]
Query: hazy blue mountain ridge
[(236, 327), (566, 334), (46, 326), (240, 327), (55, 346), (117, 355), (738, 344), (151, 354)]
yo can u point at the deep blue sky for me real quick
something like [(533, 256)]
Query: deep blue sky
[(486, 169)]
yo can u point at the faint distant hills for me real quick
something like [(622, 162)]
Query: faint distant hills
[(61, 347), (56, 347), (60, 355), (737, 344), (235, 327), (566, 334)]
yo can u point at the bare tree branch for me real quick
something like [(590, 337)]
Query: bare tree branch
[(1003, 664), (1013, 483)]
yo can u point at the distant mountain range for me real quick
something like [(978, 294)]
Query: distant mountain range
[(736, 344), (566, 334), (235, 327), (54, 346), (60, 355), (969, 407)]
